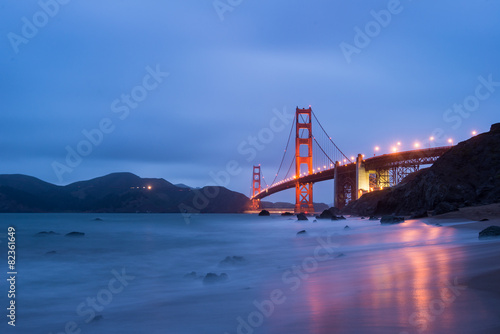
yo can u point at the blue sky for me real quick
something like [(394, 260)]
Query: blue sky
[(227, 78)]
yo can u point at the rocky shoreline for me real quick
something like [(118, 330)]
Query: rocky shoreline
[(467, 175)]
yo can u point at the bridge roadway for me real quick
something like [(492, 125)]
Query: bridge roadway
[(385, 161)]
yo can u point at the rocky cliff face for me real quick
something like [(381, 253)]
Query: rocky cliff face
[(468, 174)]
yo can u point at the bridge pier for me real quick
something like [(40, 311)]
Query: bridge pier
[(303, 138)]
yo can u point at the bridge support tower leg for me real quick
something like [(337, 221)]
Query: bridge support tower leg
[(303, 138), (256, 187)]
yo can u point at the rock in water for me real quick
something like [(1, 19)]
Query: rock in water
[(98, 219), (490, 232), (301, 216), (232, 260), (75, 234), (391, 220), (326, 214), (444, 207), (484, 220), (264, 213), (346, 227), (45, 233), (301, 232), (373, 218), (287, 214), (212, 278)]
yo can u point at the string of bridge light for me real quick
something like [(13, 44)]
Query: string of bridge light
[(418, 145)]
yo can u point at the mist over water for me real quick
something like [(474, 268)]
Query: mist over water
[(127, 275)]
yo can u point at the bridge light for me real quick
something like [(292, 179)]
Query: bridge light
[(417, 145), (352, 158), (399, 143), (474, 132), (345, 160), (450, 141), (394, 149)]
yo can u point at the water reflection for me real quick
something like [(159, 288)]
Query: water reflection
[(393, 281)]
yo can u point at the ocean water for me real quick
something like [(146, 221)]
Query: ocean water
[(128, 275)]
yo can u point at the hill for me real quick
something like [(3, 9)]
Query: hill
[(466, 175), (118, 192)]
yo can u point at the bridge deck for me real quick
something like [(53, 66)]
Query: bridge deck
[(398, 159)]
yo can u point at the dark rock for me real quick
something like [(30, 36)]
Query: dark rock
[(335, 218), (373, 218), (391, 220), (264, 213), (346, 227), (232, 260), (212, 278), (484, 220), (51, 253), (341, 217), (340, 255), (444, 207), (328, 214), (495, 127), (75, 234), (490, 232), (45, 233), (315, 221), (301, 216), (98, 219), (287, 214), (362, 217), (97, 318), (420, 214), (301, 232)]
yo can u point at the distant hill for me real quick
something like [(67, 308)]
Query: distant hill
[(468, 174), (118, 192)]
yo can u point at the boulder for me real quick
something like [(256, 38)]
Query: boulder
[(232, 261), (75, 234), (45, 233), (391, 220), (373, 218), (490, 232), (419, 214), (98, 220), (287, 214), (264, 213), (301, 232), (484, 220), (212, 278), (444, 207), (301, 216), (346, 227), (326, 214)]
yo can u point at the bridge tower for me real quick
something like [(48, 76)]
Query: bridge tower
[(256, 187), (303, 139)]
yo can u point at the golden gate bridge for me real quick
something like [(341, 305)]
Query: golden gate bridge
[(317, 158)]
